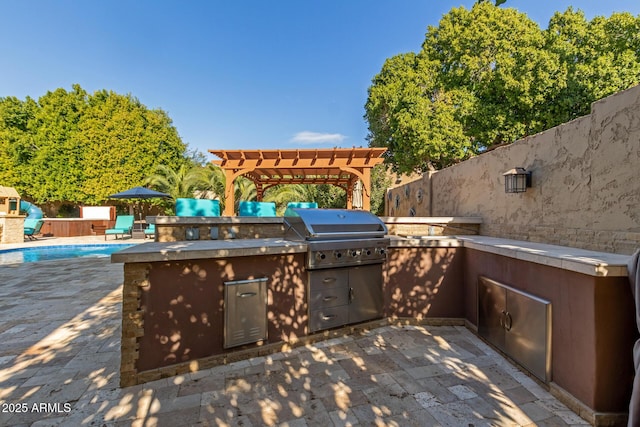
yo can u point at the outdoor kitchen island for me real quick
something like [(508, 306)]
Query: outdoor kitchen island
[(174, 315), (173, 301), (193, 304)]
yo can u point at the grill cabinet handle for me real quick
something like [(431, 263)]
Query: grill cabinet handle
[(330, 298), (328, 316), (352, 294), (508, 322), (329, 279), (247, 294)]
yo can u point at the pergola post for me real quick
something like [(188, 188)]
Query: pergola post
[(366, 189), (229, 195), (259, 191), (350, 194)]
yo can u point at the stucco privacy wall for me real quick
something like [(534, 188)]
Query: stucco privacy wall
[(586, 183)]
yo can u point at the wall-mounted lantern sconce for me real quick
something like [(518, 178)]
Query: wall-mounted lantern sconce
[(516, 180)]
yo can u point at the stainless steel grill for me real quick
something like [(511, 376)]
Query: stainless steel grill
[(346, 251), (339, 237)]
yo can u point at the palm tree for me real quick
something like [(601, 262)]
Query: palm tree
[(244, 189), (214, 181), (182, 182)]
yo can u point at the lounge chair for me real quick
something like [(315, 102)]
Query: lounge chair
[(124, 225), (32, 227), (256, 208)]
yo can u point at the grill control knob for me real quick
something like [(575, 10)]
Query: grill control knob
[(337, 254), (320, 256), (367, 252), (354, 253), (381, 251)]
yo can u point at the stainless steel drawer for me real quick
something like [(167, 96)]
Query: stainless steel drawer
[(329, 297), (329, 278), (329, 317), (245, 311)]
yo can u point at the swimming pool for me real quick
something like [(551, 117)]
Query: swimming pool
[(48, 253)]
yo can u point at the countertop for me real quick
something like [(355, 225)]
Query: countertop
[(431, 220), (583, 261), (592, 263), (200, 249)]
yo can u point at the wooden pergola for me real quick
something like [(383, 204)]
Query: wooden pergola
[(342, 167)]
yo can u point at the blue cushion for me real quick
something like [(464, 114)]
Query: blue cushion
[(305, 205), (197, 207), (299, 205), (256, 208)]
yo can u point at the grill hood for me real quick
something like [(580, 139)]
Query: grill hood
[(326, 224)]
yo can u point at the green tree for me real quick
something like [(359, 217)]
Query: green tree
[(180, 182), (17, 145), (215, 182), (281, 195), (330, 196), (244, 189), (56, 166), (126, 143), (380, 181), (419, 123), (79, 148), (489, 76), (599, 58)]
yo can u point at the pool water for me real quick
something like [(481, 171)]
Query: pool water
[(48, 253)]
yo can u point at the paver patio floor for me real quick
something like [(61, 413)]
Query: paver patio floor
[(60, 354)]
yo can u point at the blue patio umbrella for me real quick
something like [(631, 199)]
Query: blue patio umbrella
[(138, 193)]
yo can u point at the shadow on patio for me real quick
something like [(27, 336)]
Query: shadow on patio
[(61, 352)]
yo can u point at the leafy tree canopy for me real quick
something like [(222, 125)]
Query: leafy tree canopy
[(75, 147), (489, 76)]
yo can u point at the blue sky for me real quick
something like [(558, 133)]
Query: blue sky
[(231, 74)]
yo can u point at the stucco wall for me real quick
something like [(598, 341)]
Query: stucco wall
[(413, 195), (585, 191)]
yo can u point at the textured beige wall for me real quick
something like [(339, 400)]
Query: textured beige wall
[(414, 194), (586, 183), (11, 229)]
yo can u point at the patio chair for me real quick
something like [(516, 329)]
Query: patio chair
[(256, 208), (150, 231), (123, 225), (32, 227)]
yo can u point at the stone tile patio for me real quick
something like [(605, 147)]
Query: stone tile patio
[(59, 365)]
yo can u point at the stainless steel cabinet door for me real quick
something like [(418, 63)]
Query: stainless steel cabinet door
[(245, 311), (492, 306), (528, 326), (365, 293), (517, 323)]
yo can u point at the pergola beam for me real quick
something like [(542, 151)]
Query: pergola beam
[(342, 167), (295, 163)]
